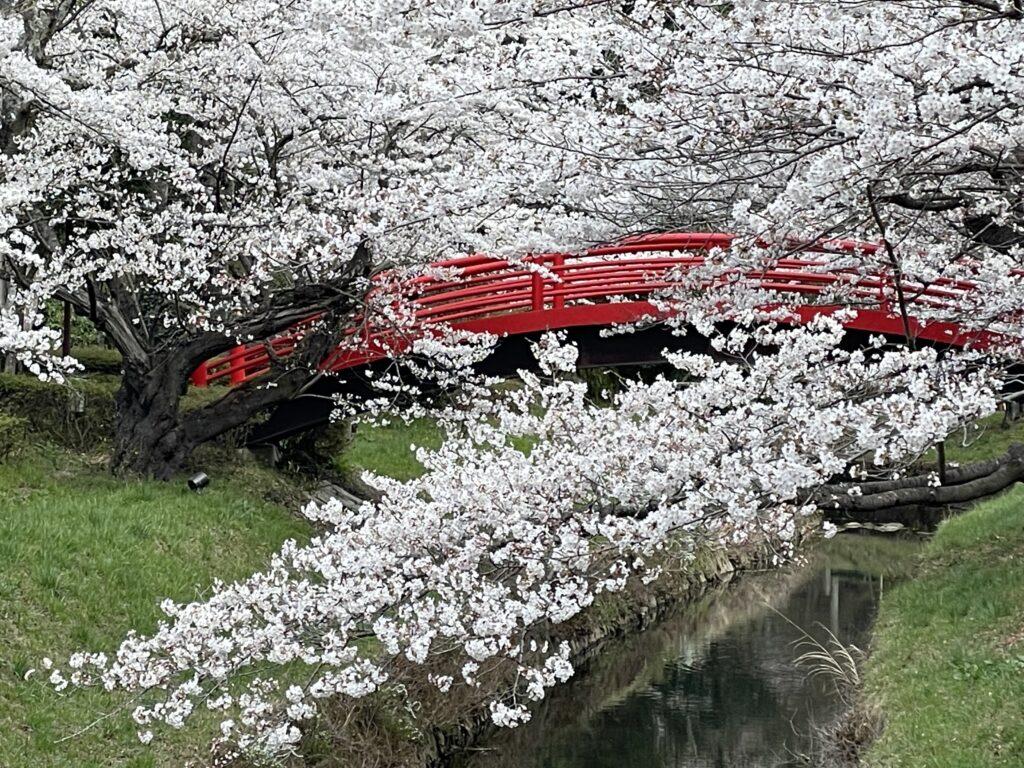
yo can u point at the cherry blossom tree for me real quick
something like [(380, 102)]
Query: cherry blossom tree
[(193, 174), (510, 126), (469, 566), (896, 123)]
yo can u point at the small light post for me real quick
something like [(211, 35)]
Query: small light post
[(76, 402)]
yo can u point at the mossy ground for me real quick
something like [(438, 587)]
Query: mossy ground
[(987, 439)]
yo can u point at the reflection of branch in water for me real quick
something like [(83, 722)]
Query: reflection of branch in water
[(697, 676)]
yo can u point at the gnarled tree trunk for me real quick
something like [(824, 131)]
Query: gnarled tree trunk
[(155, 438), (149, 439), (920, 497)]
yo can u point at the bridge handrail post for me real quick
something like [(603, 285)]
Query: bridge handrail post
[(237, 375), (537, 292), (557, 298), (883, 298)]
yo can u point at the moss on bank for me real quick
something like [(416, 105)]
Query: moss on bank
[(78, 414), (947, 670)]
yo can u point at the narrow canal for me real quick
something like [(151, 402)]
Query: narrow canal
[(718, 684)]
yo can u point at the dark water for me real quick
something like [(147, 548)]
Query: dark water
[(717, 685)]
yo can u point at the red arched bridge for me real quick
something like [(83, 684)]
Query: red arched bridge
[(583, 293)]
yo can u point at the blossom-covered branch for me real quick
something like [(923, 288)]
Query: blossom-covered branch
[(493, 544)]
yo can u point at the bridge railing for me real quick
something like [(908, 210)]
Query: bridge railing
[(497, 295)]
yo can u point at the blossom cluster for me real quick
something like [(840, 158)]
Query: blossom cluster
[(536, 503), (171, 167), (204, 155)]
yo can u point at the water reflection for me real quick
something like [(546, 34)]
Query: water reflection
[(715, 686)]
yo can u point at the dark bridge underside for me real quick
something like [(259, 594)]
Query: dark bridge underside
[(511, 355)]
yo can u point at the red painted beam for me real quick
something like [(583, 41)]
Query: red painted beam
[(604, 286)]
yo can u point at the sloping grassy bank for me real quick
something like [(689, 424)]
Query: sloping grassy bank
[(84, 558), (387, 449), (947, 671)]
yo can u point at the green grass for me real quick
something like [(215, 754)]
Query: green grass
[(96, 359), (84, 558), (988, 439), (387, 450), (948, 667)]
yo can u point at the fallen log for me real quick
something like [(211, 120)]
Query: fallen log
[(954, 476)]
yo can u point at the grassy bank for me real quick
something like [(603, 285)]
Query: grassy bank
[(947, 672), (84, 558), (989, 438), (387, 449)]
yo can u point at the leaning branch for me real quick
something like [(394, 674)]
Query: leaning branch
[(986, 478)]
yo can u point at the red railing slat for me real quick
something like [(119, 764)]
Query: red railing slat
[(560, 290)]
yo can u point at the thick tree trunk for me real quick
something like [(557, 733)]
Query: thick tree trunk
[(955, 476), (154, 438), (150, 438), (7, 362)]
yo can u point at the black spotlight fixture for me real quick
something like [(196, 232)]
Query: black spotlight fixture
[(198, 481)]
